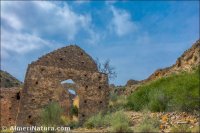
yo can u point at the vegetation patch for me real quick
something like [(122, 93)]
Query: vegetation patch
[(52, 115), (148, 124), (178, 92), (118, 121)]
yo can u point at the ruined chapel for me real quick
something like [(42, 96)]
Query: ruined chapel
[(43, 84)]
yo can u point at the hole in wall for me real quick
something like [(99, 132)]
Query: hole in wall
[(82, 62), (29, 116), (1, 97), (42, 69), (10, 119), (81, 53), (100, 102), (85, 101), (61, 59), (36, 82), (18, 96), (83, 115), (99, 87)]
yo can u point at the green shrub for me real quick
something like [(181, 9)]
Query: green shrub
[(173, 93), (113, 97), (51, 115), (118, 104), (195, 129), (74, 110), (73, 124), (120, 122), (94, 121), (148, 124), (158, 101), (183, 128)]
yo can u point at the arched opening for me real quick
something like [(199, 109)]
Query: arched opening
[(71, 87)]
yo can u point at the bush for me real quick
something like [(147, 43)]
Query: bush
[(73, 124), (65, 120), (120, 122), (195, 129), (148, 124), (158, 101), (183, 128), (51, 115), (173, 93), (74, 110), (94, 121), (118, 103), (113, 97)]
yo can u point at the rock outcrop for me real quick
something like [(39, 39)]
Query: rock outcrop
[(132, 82), (188, 60), (8, 80)]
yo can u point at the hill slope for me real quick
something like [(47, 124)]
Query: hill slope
[(186, 62), (189, 59), (177, 92), (7, 80)]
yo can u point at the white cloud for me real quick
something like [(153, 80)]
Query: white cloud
[(81, 1), (12, 20), (20, 43), (28, 26), (121, 22), (63, 21)]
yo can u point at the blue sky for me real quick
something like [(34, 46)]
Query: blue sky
[(137, 36)]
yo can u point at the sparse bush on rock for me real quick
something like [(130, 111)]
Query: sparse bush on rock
[(174, 93), (148, 124), (181, 129), (120, 122), (94, 121)]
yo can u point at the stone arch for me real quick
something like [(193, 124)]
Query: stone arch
[(43, 83), (70, 86)]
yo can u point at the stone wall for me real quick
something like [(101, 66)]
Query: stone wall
[(43, 85), (9, 103)]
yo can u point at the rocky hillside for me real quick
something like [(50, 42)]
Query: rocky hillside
[(188, 60), (8, 80)]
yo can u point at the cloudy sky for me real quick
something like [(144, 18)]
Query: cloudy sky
[(138, 37)]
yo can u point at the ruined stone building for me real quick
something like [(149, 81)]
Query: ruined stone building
[(43, 84), (9, 103)]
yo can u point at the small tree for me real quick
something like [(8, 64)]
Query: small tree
[(106, 68), (51, 114)]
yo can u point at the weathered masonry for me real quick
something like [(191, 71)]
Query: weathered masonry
[(43, 84)]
